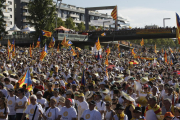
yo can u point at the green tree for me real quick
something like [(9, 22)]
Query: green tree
[(60, 22), (69, 23), (81, 26), (92, 28), (42, 16), (100, 27), (76, 29), (2, 22)]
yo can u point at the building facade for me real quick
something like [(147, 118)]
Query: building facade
[(64, 11), (8, 11)]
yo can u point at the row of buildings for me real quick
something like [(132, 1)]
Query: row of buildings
[(16, 12)]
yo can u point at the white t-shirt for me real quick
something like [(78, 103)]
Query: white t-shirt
[(81, 107), (42, 101), (52, 113), (68, 113), (4, 91), (91, 115), (2, 113), (11, 102), (21, 102), (116, 117), (101, 107), (150, 115), (57, 99), (9, 86), (31, 109)]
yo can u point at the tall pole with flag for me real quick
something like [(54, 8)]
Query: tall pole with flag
[(114, 16), (178, 28), (43, 53)]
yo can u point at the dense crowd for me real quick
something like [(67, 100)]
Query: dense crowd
[(140, 86)]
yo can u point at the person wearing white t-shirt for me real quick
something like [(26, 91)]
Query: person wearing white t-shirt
[(52, 113), (21, 104), (56, 96), (11, 102), (33, 109), (40, 100), (82, 105), (68, 112), (91, 113), (4, 110), (3, 90), (61, 102)]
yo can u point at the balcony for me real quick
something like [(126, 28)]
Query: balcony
[(26, 14), (6, 4), (74, 15), (5, 11), (8, 24), (25, 7), (6, 18), (77, 21)]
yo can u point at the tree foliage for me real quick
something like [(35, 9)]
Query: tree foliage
[(81, 26), (69, 23), (60, 22), (42, 15), (2, 22), (92, 28)]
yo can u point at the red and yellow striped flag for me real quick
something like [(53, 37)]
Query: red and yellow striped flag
[(9, 43), (142, 42), (14, 52), (165, 57), (43, 53), (64, 41), (106, 61), (98, 46), (155, 48), (30, 51), (21, 81), (114, 13)]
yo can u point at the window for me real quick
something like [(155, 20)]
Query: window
[(10, 9), (11, 23), (10, 16), (10, 2)]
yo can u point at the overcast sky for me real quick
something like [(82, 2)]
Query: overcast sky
[(138, 12)]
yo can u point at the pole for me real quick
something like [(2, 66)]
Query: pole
[(164, 22), (58, 10)]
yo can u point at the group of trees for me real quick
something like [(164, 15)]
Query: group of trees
[(160, 43)]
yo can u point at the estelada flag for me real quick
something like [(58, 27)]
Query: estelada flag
[(46, 33), (142, 42), (64, 41), (98, 46)]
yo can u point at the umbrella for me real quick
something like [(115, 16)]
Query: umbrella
[(28, 29), (14, 28), (110, 66)]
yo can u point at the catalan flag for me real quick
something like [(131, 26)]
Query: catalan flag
[(142, 42), (78, 48), (9, 43), (73, 52), (98, 46), (165, 57), (83, 81), (106, 61), (13, 51), (22, 80), (77, 53), (103, 34), (178, 27), (38, 42), (43, 53), (114, 13), (68, 43), (46, 33), (133, 51), (108, 51), (155, 48), (30, 51), (52, 43), (64, 41), (28, 81)]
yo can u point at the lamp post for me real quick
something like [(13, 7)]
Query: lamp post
[(164, 21), (58, 10), (105, 22)]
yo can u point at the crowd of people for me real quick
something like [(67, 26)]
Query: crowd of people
[(67, 87)]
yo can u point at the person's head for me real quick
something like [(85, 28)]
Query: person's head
[(21, 92), (7, 80), (11, 92), (24, 86), (177, 111), (108, 105), (68, 102), (81, 97), (167, 103), (170, 90), (3, 102), (92, 104), (168, 116), (39, 94), (152, 101), (33, 99), (119, 108), (69, 93), (98, 96), (52, 102), (49, 86), (56, 92), (62, 101), (137, 112), (1, 85)]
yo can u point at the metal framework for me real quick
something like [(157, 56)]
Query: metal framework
[(96, 8)]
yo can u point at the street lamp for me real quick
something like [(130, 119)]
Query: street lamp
[(58, 10), (105, 22), (164, 21)]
